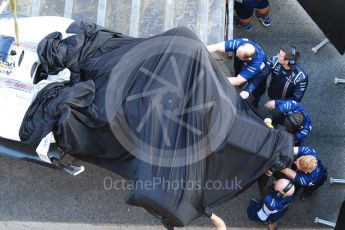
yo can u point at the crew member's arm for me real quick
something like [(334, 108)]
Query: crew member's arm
[(270, 104), (252, 72), (300, 135), (301, 86), (260, 77), (305, 151), (218, 47), (218, 222), (238, 80), (291, 174), (284, 106), (274, 115)]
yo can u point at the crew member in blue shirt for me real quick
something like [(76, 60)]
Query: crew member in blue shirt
[(309, 173), (249, 61), (288, 79), (292, 115), (274, 205)]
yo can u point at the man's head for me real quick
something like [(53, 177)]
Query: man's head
[(306, 163), (294, 122), (288, 56), (284, 187), (246, 52)]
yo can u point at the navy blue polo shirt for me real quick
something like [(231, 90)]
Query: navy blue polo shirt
[(309, 179), (253, 67)]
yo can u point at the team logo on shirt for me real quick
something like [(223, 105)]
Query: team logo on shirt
[(300, 76)]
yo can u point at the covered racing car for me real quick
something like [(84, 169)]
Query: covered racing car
[(149, 109)]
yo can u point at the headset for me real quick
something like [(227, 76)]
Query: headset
[(293, 121), (294, 56), (287, 188)]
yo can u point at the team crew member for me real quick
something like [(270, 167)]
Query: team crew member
[(249, 62), (273, 206), (244, 12), (310, 174), (292, 115), (288, 79)]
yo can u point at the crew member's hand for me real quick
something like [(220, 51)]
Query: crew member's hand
[(269, 173), (244, 94), (270, 104)]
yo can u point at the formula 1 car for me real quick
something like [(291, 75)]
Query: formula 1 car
[(145, 108)]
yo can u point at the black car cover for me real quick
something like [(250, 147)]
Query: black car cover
[(159, 112)]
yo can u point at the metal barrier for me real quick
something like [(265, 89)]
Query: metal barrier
[(336, 181), (319, 46), (339, 80), (324, 222)]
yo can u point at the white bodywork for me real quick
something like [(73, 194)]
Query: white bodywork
[(16, 82)]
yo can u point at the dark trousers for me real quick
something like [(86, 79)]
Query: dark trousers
[(262, 183)]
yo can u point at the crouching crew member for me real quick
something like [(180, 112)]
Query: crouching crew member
[(309, 173), (273, 206), (292, 115)]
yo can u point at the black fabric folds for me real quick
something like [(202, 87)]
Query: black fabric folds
[(90, 40), (162, 114), (50, 105)]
